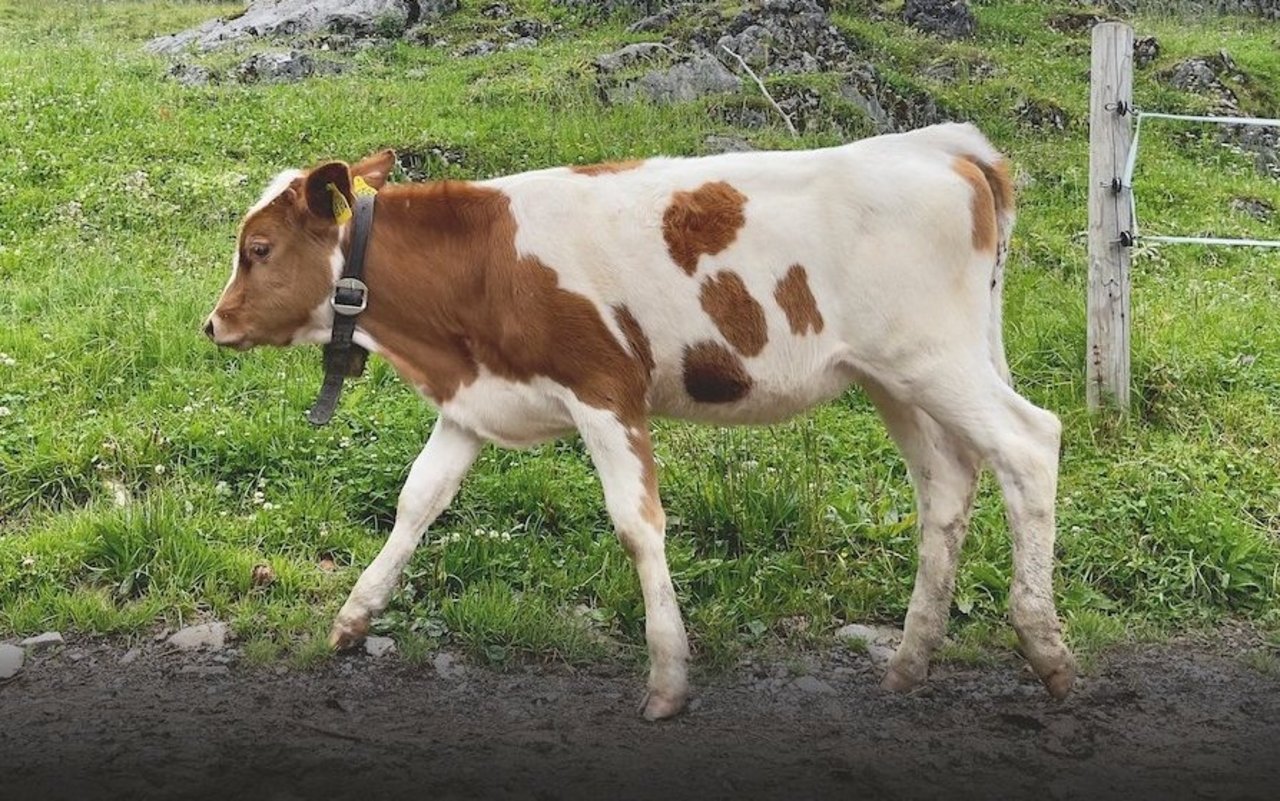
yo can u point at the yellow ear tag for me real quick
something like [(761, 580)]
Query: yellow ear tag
[(341, 209), (359, 188)]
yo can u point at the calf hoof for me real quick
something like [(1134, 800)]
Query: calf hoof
[(900, 681), (1060, 681), (658, 706), (347, 634), (904, 675)]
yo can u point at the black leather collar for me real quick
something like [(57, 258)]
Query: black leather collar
[(342, 357)]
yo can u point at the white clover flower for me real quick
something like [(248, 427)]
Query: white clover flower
[(222, 488), (5, 411), (160, 469), (268, 505)]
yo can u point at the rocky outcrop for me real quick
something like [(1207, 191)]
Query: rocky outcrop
[(950, 19), (286, 18), (1218, 78), (772, 38)]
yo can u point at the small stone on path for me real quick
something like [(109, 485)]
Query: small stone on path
[(130, 656), (379, 646), (11, 660), (446, 665), (49, 638), (206, 635)]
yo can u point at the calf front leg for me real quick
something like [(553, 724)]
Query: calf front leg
[(623, 456), (433, 481)]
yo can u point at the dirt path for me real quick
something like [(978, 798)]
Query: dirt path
[(1150, 723)]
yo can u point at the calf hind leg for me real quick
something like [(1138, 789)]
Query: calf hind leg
[(944, 472), (1019, 441)]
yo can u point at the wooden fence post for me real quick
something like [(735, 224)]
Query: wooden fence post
[(1110, 132)]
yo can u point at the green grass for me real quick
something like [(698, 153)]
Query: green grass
[(119, 195)]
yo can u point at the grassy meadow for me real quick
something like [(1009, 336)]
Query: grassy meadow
[(144, 473)]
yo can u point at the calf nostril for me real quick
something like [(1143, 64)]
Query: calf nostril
[(208, 328)]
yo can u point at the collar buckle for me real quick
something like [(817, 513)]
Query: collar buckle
[(350, 297)]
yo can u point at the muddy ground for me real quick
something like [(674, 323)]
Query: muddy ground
[(1154, 722)]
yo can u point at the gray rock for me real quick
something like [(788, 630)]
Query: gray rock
[(130, 656), (482, 47), (190, 74), (606, 8), (959, 70), (1201, 76), (281, 18), (523, 43), (75, 655), (880, 653), (525, 29), (813, 686), (785, 37), (654, 22), (1041, 114), (887, 108), (1256, 207), (687, 80), (950, 19), (212, 636), (447, 666), (11, 660), (1209, 76), (496, 11), (435, 9), (1146, 49), (1267, 9), (716, 143), (857, 631), (379, 646), (871, 635), (630, 55), (42, 641), (281, 67)]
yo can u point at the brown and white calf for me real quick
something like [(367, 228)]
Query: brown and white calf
[(742, 288)]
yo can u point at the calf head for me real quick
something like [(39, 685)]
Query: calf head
[(288, 256)]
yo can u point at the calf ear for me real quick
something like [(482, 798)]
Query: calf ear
[(376, 168), (328, 192)]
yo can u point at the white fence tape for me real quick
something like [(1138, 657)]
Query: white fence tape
[(1131, 163)]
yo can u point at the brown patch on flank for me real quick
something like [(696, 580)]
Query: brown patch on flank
[(796, 300), (714, 374), (705, 220), (738, 316), (982, 204), (637, 340), (606, 168), (650, 505)]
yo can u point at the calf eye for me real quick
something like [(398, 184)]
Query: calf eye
[(259, 250)]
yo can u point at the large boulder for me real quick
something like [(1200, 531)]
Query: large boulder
[(950, 19), (282, 18), (688, 79)]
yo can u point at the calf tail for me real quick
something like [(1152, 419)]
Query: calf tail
[(997, 175), (963, 140)]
